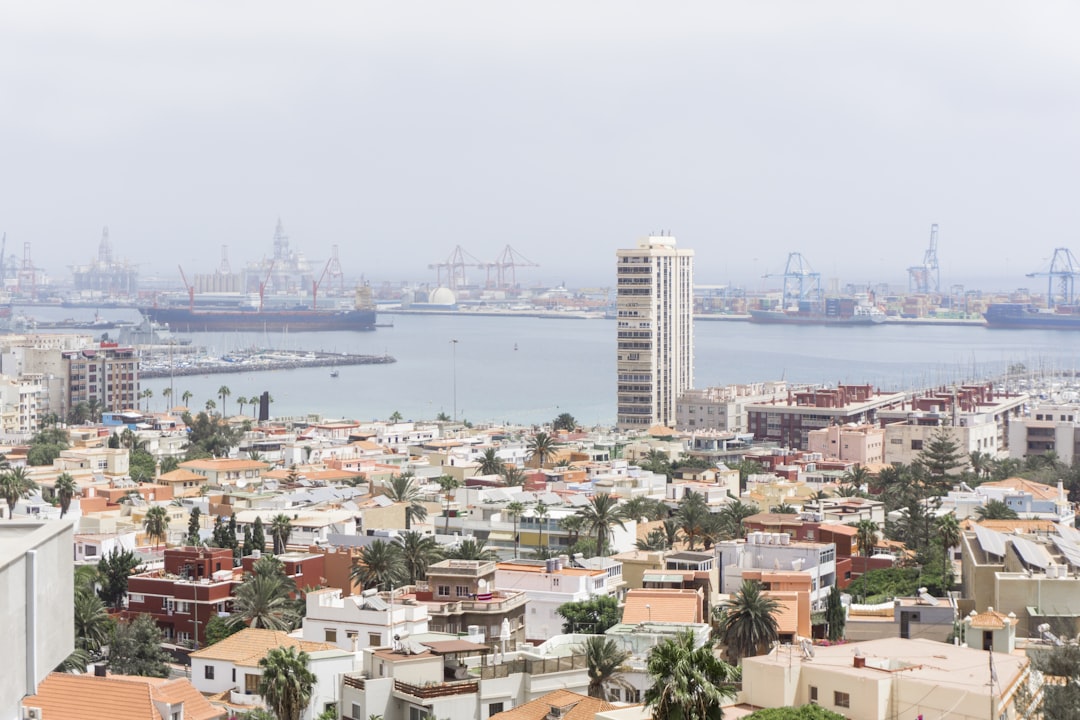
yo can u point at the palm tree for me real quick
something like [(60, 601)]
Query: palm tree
[(417, 552), (167, 394), (156, 524), (223, 392), (516, 510), (15, 484), (866, 536), (994, 510), (65, 489), (92, 622), (280, 530), (541, 512), (541, 448), (981, 463), (286, 684), (447, 484), (692, 516), (605, 660), (381, 566), (601, 515), (573, 525), (733, 515), (471, 549), (262, 601), (857, 477), (490, 463), (640, 507), (948, 530), (688, 683), (512, 476), (241, 401), (186, 397), (210, 405), (749, 622), (784, 509), (403, 489)]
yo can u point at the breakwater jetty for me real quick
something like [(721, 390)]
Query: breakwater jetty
[(158, 366)]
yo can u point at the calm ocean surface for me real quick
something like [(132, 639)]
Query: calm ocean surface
[(528, 370), (569, 365)]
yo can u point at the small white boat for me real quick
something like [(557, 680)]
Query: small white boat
[(334, 373)]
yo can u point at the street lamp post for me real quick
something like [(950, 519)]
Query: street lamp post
[(453, 372)]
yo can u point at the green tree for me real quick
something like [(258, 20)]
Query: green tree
[(835, 618), (882, 585), (418, 551), (15, 484), (135, 649), (513, 476), (193, 526), (396, 417), (688, 683), (732, 516), (380, 566), (939, 458), (92, 622), (995, 510), (404, 489), (541, 448), (590, 617), (806, 712), (639, 507), (1060, 700), (287, 683), (490, 463), (156, 524), (748, 624), (262, 601), (46, 446), (692, 516), (601, 515), (142, 467), (258, 535), (218, 628), (168, 464), (981, 464), (223, 392), (541, 512), (65, 490), (948, 529), (515, 510), (447, 484), (280, 530), (565, 421), (656, 461), (471, 549), (784, 509), (866, 536), (604, 659), (113, 572)]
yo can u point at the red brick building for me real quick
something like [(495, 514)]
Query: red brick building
[(789, 422), (196, 584)]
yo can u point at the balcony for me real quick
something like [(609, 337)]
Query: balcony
[(500, 603), (542, 666), (437, 690), (238, 697)]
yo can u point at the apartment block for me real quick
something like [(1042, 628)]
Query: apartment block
[(788, 422)]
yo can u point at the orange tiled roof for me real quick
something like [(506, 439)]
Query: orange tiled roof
[(220, 464), (1037, 489), (117, 697), (581, 707), (250, 645), (989, 620), (673, 606)]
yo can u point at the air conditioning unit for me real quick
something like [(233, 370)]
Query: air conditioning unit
[(31, 713)]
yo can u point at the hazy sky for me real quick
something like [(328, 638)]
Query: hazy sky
[(398, 130)]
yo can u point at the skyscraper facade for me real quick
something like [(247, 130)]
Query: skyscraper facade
[(655, 303)]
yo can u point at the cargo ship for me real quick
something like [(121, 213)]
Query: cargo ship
[(1026, 316), (842, 312)]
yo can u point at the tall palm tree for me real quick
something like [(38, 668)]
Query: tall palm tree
[(573, 525), (471, 549), (981, 463), (516, 510), (866, 536), (92, 622), (605, 660), (186, 397), (210, 405), (541, 448), (948, 531), (857, 477), (156, 524), (223, 392), (381, 566), (286, 683), (15, 484), (65, 489), (417, 552), (262, 601), (241, 401), (749, 621), (601, 515), (994, 510), (688, 683), (692, 516), (541, 512), (280, 530), (403, 489), (490, 463), (447, 484), (640, 507), (512, 476), (167, 394), (733, 515)]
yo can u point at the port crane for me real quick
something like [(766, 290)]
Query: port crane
[(504, 269), (190, 289), (926, 278), (1063, 271), (454, 266), (333, 269), (801, 283)]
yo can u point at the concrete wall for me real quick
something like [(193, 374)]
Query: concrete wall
[(36, 594)]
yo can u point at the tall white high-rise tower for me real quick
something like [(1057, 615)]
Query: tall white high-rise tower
[(655, 302)]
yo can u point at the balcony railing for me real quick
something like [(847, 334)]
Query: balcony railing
[(498, 604), (354, 681), (534, 667), (437, 690)]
